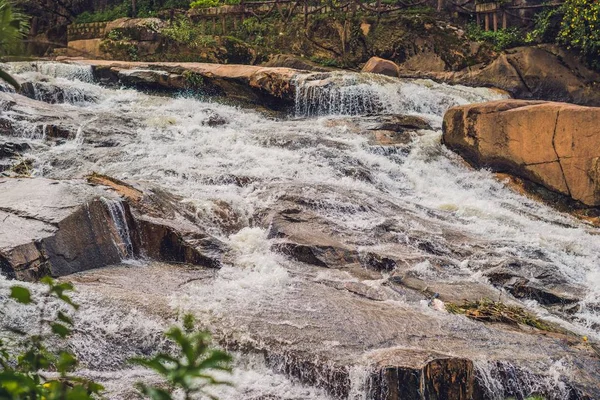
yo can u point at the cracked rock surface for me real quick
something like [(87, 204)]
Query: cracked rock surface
[(549, 143)]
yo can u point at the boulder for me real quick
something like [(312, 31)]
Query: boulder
[(377, 65), (142, 29), (539, 73), (291, 61), (545, 72), (553, 144), (52, 227)]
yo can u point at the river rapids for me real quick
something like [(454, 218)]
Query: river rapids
[(248, 174)]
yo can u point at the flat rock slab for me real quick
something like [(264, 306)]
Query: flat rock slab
[(50, 227), (238, 81), (55, 227)]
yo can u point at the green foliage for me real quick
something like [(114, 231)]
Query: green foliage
[(501, 39), (22, 375), (326, 62), (109, 14), (14, 26), (547, 26), (204, 3), (580, 28), (213, 3), (193, 79), (183, 31), (191, 368), (26, 360)]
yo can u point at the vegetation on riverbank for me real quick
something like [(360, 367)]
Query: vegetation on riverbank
[(33, 366)]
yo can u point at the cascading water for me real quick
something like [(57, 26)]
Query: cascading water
[(363, 94), (119, 218), (417, 202)]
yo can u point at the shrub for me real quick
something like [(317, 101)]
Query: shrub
[(25, 362), (580, 28), (204, 3), (109, 14), (22, 375), (547, 26), (183, 31), (190, 369), (501, 39)]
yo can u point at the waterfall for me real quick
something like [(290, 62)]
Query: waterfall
[(345, 93), (255, 182), (82, 73), (119, 218), (501, 380)]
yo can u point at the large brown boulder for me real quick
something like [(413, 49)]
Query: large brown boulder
[(556, 145), (377, 65), (541, 73), (546, 72)]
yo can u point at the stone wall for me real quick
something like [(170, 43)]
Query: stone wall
[(93, 30)]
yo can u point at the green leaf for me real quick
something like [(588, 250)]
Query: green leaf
[(47, 281), (20, 294), (60, 330), (64, 318), (154, 393), (188, 322), (66, 362), (9, 79)]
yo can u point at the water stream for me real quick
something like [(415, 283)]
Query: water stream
[(321, 158)]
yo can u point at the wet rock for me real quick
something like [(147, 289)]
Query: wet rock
[(60, 227), (387, 350), (441, 378), (33, 119), (534, 282), (545, 72), (143, 77), (539, 73), (291, 61), (272, 87), (400, 123), (377, 65), (305, 239), (552, 144), (53, 94), (56, 228), (12, 149)]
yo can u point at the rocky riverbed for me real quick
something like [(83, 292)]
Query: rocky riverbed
[(322, 246)]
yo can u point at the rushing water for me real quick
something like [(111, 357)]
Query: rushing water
[(322, 156)]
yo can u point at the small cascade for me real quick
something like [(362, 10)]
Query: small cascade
[(119, 217), (82, 73), (501, 380), (345, 93), (53, 94)]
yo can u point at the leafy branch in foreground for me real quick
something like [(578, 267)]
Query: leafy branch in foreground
[(14, 26), (29, 370), (191, 368), (36, 372)]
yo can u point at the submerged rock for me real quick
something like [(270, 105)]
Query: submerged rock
[(552, 144)]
